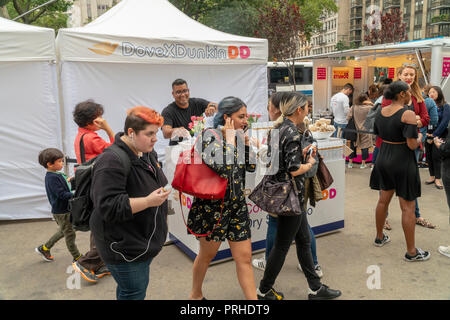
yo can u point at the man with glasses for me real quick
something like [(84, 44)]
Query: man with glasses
[(177, 115)]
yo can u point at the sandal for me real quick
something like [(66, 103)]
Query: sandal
[(387, 226), (425, 223)]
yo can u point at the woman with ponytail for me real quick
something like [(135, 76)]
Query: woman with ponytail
[(293, 163), (396, 168)]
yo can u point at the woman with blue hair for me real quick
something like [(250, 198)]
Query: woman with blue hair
[(225, 149)]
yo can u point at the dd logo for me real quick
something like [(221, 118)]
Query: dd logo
[(329, 194), (234, 52)]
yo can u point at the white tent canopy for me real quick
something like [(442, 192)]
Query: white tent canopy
[(29, 120), (154, 31), (131, 54), (20, 42)]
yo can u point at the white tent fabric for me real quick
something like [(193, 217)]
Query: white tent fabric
[(155, 31), (20, 42), (131, 54), (29, 118)]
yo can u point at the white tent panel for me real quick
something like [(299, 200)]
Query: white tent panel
[(20, 42), (155, 31), (29, 122), (121, 86)]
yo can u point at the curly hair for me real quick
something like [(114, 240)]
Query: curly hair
[(86, 112)]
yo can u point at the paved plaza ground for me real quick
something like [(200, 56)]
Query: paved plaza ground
[(349, 260)]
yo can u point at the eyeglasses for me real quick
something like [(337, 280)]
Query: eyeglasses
[(180, 92)]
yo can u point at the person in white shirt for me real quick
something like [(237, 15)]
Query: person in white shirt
[(340, 104)]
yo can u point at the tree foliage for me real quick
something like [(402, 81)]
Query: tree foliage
[(393, 29), (51, 16)]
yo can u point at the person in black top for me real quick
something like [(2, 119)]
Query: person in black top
[(177, 115), (58, 193), (396, 170), (129, 221)]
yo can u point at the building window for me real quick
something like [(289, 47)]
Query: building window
[(419, 5)]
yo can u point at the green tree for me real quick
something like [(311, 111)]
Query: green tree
[(3, 9), (51, 16)]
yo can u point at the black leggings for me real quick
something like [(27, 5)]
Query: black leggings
[(434, 160), (364, 152), (290, 228)]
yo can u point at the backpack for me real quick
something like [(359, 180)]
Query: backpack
[(370, 119), (81, 205)]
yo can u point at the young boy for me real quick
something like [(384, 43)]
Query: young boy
[(58, 193)]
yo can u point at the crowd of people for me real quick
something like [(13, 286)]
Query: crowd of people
[(128, 224)]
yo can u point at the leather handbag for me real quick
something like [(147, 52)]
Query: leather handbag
[(192, 176), (350, 130), (280, 198), (324, 175)]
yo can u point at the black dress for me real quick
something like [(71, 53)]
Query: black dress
[(396, 165)]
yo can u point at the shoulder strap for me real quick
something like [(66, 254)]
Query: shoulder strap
[(82, 151), (123, 156)]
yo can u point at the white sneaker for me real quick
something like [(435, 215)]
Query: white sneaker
[(259, 263), (363, 166), (317, 268), (444, 250), (350, 165)]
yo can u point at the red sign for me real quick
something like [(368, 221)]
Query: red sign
[(321, 73), (391, 73), (357, 73), (445, 66)]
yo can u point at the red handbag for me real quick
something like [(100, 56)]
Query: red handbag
[(192, 176)]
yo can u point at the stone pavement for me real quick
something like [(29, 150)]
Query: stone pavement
[(349, 260)]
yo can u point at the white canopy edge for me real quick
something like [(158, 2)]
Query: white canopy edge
[(408, 47), (21, 42)]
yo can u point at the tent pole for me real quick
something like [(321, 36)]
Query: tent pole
[(421, 66)]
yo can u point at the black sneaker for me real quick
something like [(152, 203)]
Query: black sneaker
[(44, 253), (324, 293), (269, 295), (382, 242), (88, 275), (103, 271), (419, 256)]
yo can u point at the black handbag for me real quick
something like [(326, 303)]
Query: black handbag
[(350, 130), (280, 198)]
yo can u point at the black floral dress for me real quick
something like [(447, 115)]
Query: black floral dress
[(224, 159)]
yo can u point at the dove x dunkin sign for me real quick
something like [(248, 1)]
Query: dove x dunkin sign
[(172, 50)]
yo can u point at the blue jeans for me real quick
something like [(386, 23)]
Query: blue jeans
[(272, 224), (338, 125), (132, 279)]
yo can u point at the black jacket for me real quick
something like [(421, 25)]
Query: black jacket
[(121, 236)]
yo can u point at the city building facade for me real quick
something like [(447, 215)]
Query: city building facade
[(423, 18), (85, 11)]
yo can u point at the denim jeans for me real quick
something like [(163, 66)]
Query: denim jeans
[(290, 229), (338, 125), (132, 279), (272, 223)]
